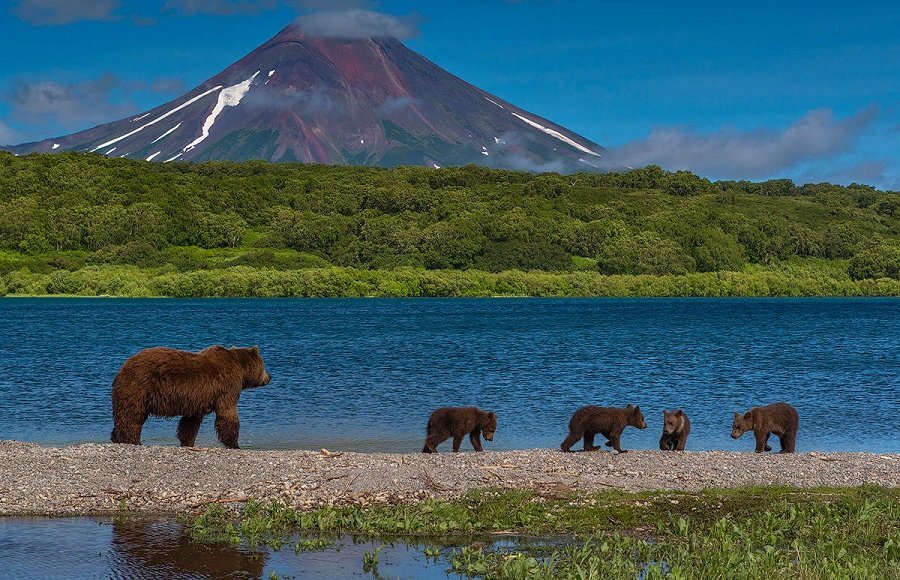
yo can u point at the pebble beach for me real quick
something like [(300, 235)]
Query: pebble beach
[(94, 479)]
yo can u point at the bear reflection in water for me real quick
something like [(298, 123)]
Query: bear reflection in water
[(157, 549)]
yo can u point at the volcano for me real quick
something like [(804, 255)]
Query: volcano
[(366, 101)]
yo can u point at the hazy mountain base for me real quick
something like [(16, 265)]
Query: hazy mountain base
[(245, 281)]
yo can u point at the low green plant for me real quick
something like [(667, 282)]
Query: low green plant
[(756, 532)]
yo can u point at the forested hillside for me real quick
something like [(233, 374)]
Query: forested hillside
[(82, 224)]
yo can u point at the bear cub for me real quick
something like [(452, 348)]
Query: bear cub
[(676, 428), (778, 418), (165, 382), (457, 422), (607, 421)]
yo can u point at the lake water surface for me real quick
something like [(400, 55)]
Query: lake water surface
[(364, 374)]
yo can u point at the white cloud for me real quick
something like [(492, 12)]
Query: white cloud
[(746, 154), (59, 12), (359, 24)]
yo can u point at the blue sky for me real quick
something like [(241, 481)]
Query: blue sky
[(807, 89)]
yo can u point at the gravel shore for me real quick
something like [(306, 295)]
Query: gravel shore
[(96, 479)]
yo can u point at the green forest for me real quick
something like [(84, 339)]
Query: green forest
[(75, 224)]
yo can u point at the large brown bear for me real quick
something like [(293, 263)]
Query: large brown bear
[(778, 418), (676, 428), (165, 382), (457, 422), (607, 421)]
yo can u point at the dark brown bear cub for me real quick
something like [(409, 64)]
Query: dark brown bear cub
[(170, 383), (607, 421), (456, 422), (676, 428), (778, 418)]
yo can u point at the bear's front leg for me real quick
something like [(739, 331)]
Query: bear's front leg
[(188, 427), (228, 425), (762, 440), (665, 442), (615, 442), (475, 438)]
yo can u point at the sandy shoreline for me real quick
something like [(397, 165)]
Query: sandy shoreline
[(96, 479)]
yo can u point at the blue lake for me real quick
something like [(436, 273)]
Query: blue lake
[(364, 374)]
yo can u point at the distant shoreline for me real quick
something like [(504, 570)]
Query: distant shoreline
[(250, 282), (94, 479)]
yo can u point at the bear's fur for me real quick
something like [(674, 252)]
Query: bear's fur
[(607, 421), (676, 428), (165, 382), (778, 418), (456, 422)]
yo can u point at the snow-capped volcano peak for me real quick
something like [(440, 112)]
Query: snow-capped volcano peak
[(345, 101)]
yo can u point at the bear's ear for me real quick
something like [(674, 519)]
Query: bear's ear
[(637, 409), (629, 406), (736, 415), (747, 415), (492, 415), (679, 412), (255, 349)]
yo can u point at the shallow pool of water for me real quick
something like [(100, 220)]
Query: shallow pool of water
[(135, 548)]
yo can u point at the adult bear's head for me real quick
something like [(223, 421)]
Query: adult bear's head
[(255, 374)]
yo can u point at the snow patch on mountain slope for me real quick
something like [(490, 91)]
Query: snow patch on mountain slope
[(55, 146), (172, 158), (557, 135), (152, 157), (229, 97), (141, 117), (111, 150), (496, 103), (156, 120), (164, 135)]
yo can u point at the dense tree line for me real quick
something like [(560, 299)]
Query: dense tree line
[(69, 211)]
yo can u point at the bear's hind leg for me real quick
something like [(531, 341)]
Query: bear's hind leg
[(228, 426), (457, 441), (129, 433), (570, 440), (432, 441), (188, 427)]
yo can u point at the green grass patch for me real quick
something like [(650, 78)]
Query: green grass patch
[(759, 532)]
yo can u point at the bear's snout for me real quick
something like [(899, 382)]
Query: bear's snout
[(266, 380), (489, 436)]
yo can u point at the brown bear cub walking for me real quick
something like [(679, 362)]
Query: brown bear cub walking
[(607, 421), (456, 422), (165, 382), (676, 428), (778, 418)]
